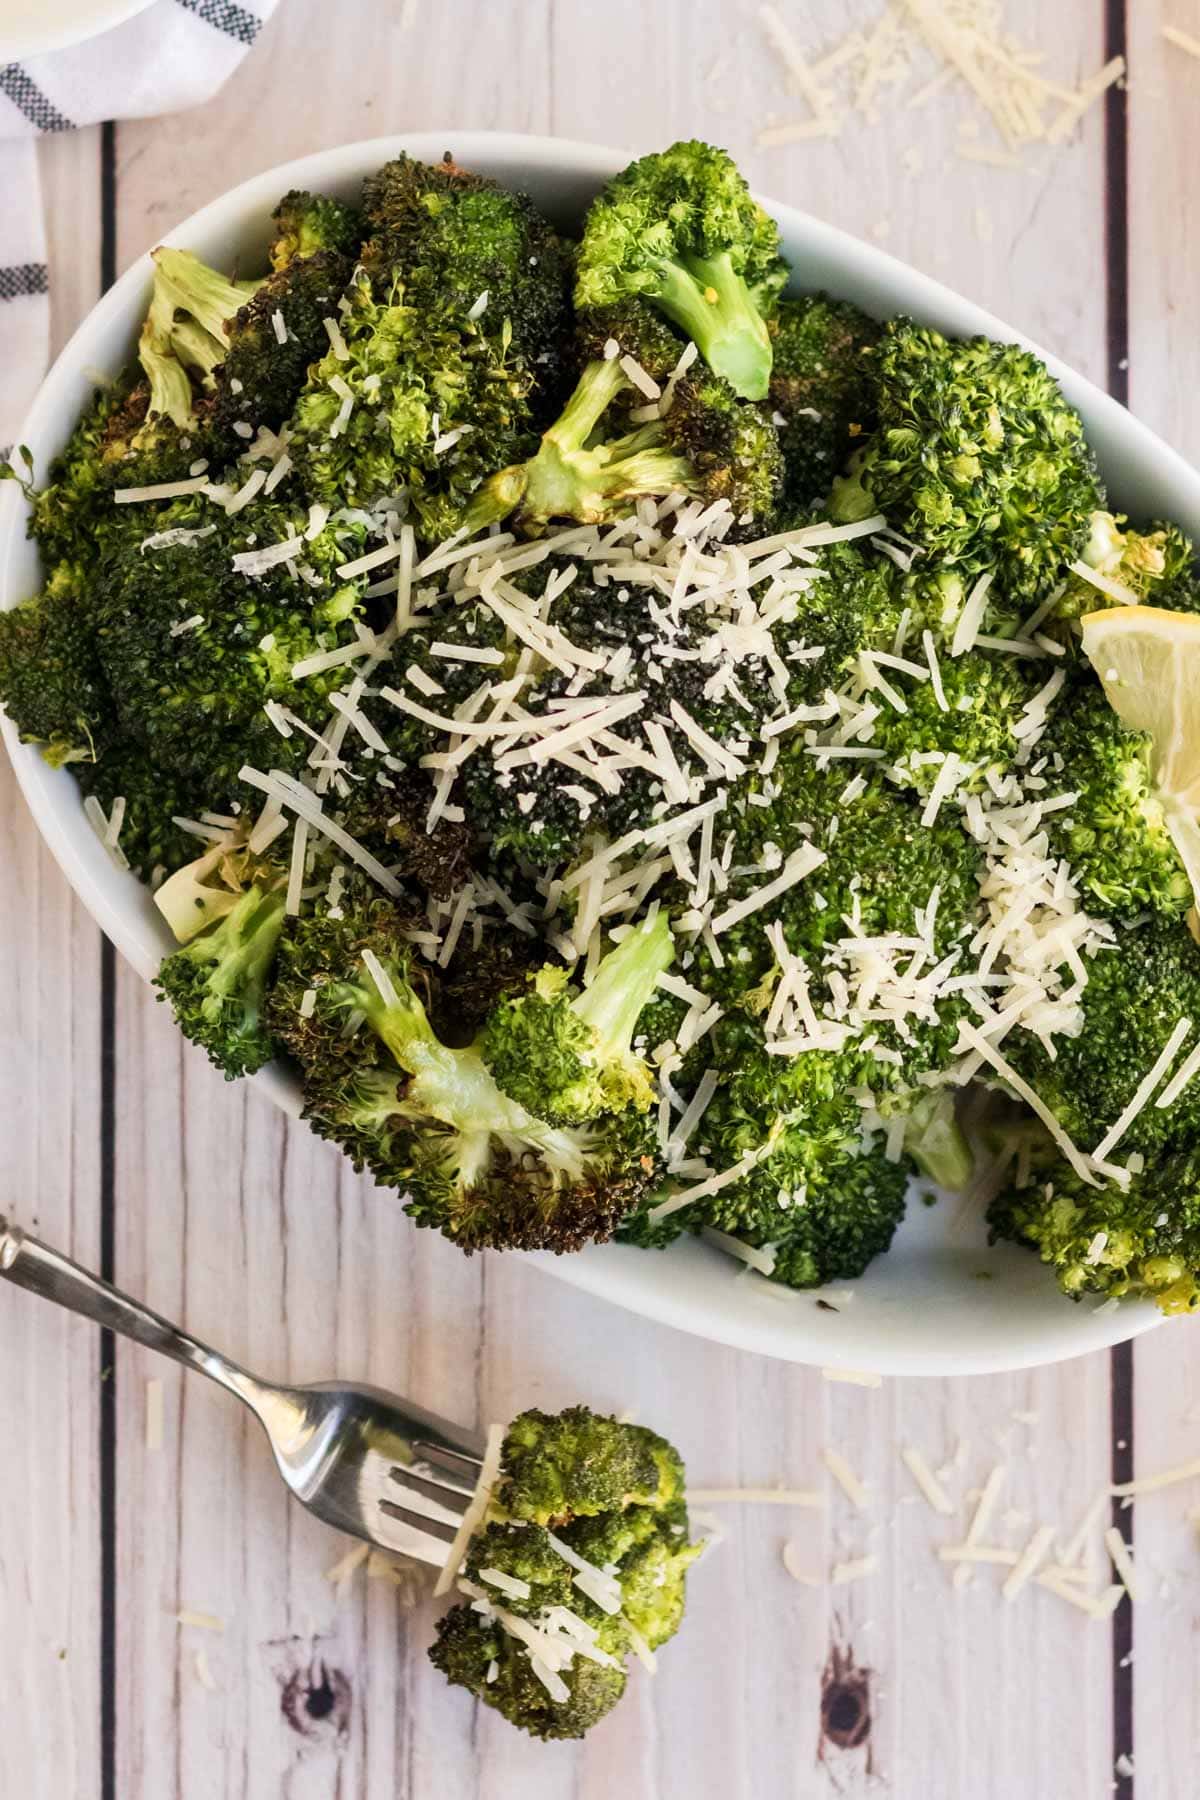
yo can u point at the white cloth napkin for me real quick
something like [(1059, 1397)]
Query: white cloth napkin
[(175, 55)]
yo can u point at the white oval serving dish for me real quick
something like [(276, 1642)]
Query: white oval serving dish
[(941, 1302)]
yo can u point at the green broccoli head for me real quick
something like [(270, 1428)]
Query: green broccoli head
[(731, 446), (1141, 1240), (680, 230), (195, 644), (529, 807), (637, 329), (1115, 834), (882, 868), (469, 245), (556, 1467), (579, 471), (648, 1548), (216, 983), (971, 713), (567, 1057), (323, 991), (74, 511), (810, 1192), (1138, 989), (978, 458), (51, 683), (425, 400), (1157, 564), (584, 1556), (474, 1651), (271, 341), (311, 225), (151, 799), (389, 815), (428, 1118), (822, 387)]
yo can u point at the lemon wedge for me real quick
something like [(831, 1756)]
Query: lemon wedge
[(1148, 661)]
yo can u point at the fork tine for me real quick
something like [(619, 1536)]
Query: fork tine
[(413, 1500), (456, 1461), (441, 1529), (414, 1475)]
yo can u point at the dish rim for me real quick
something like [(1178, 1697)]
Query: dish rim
[(225, 226)]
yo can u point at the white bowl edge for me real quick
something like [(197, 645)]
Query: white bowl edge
[(939, 1303)]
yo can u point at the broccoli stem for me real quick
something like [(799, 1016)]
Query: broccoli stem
[(170, 388), (192, 287), (241, 949), (188, 903), (451, 1085), (934, 1140), (624, 983), (707, 298), (570, 478)]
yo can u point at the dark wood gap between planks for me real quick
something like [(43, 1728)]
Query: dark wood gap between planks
[(1121, 1357), (108, 1150)]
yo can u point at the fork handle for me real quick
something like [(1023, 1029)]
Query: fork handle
[(33, 1265)]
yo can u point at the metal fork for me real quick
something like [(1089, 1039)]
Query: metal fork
[(362, 1460)]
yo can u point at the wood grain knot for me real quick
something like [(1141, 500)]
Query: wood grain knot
[(316, 1702), (845, 1701)]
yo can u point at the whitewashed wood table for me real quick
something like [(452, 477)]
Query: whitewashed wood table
[(119, 1142)]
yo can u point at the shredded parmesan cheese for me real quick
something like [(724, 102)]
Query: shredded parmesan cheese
[(927, 1481), (476, 1508)]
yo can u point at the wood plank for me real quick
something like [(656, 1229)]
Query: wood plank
[(49, 1127), (1164, 272), (248, 1229)]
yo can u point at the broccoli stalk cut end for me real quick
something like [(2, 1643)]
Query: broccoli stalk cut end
[(572, 477), (707, 298)]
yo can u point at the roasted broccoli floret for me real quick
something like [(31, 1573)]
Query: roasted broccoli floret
[(881, 868), (592, 463), (389, 815), (1138, 989), (322, 990), (1157, 565), (649, 1548), (823, 387), (473, 1650), (584, 1556), (74, 509), (1115, 833), (979, 460), (527, 804), (150, 799), (216, 983), (1140, 1240), (971, 712), (556, 1467), (731, 447), (466, 244), (310, 225), (427, 1117), (568, 1056), (809, 1191), (425, 401), (681, 230), (197, 641), (271, 341), (51, 683), (168, 422), (574, 477)]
